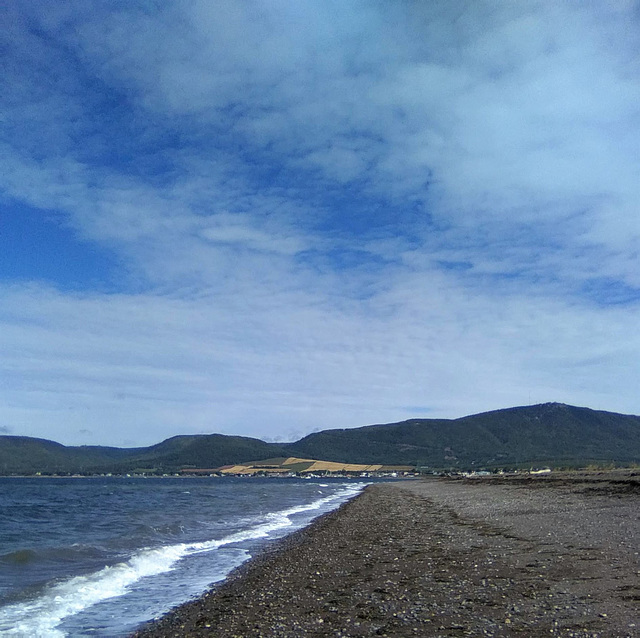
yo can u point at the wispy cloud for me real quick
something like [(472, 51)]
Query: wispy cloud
[(323, 212), (263, 365)]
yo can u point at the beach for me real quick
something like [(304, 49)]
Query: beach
[(495, 556)]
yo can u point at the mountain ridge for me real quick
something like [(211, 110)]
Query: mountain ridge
[(547, 433)]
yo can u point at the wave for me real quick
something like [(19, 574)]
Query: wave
[(42, 616), (28, 556), (19, 557)]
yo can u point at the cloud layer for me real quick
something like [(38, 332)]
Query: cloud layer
[(323, 215)]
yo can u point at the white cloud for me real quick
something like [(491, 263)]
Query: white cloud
[(522, 114), (137, 369), (233, 229), (482, 112)]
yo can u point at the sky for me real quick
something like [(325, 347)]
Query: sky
[(272, 218)]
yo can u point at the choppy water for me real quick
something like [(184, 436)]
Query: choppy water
[(99, 556)]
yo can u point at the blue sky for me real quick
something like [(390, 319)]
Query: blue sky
[(272, 218)]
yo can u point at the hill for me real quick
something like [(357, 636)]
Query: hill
[(540, 434), (24, 455), (550, 433)]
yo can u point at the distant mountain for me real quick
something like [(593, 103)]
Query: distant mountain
[(206, 450), (24, 455), (546, 434), (539, 434)]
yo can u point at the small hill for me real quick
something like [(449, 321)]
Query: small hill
[(546, 434), (205, 450), (25, 455)]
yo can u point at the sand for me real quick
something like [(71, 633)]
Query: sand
[(542, 556)]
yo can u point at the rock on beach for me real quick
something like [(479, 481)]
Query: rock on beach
[(524, 556)]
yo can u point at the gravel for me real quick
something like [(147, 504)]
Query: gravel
[(543, 556)]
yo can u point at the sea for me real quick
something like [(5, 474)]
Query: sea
[(99, 556)]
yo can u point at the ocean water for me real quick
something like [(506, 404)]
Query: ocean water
[(100, 556)]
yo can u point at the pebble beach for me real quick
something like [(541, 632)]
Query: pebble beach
[(498, 556)]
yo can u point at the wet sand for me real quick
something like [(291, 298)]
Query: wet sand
[(443, 557)]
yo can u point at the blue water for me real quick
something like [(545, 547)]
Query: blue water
[(100, 556)]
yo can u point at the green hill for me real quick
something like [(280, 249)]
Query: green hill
[(549, 434), (24, 455), (206, 451), (540, 434)]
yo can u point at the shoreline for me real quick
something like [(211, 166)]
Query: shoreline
[(441, 557)]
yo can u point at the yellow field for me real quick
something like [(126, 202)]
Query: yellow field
[(302, 466), (329, 466)]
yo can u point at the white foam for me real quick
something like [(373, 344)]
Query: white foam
[(41, 617), (275, 521)]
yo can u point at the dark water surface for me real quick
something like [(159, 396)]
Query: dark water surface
[(99, 556)]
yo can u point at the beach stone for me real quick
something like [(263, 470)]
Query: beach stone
[(442, 557)]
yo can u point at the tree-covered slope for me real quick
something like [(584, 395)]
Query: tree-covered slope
[(206, 451), (544, 433), (24, 455)]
